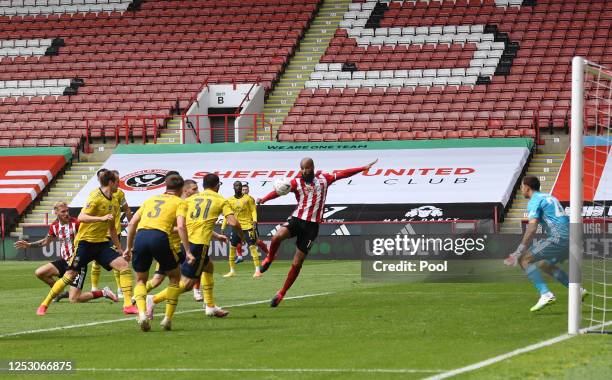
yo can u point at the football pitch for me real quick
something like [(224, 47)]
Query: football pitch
[(331, 325)]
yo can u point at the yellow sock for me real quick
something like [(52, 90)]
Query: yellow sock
[(163, 295), (208, 283), (173, 292), (125, 279), (149, 286), (56, 289), (140, 293), (117, 280), (255, 254), (95, 275), (232, 258)]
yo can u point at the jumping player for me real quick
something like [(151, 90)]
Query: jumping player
[(310, 189)]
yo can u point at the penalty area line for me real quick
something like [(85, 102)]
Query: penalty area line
[(286, 370), (508, 355), (132, 318)]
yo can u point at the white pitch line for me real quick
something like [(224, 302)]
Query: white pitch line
[(26, 332), (315, 370), (508, 355)]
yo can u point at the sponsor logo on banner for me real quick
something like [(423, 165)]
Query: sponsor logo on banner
[(425, 212), (593, 211), (274, 230), (143, 180), (329, 211), (341, 231)]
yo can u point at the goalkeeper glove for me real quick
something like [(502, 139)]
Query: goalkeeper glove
[(512, 260)]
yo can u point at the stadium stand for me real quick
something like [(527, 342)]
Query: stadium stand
[(112, 59), (24, 174), (448, 69)]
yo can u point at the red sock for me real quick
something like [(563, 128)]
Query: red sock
[(196, 285), (291, 276), (239, 250), (262, 246), (97, 294), (273, 248)]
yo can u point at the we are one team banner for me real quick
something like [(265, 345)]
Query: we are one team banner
[(413, 180)]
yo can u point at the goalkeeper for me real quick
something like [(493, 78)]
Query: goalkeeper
[(245, 211), (544, 255)]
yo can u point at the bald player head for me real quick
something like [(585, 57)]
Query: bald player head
[(307, 169)]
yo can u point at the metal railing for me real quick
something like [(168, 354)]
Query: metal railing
[(124, 128), (246, 96), (206, 133)]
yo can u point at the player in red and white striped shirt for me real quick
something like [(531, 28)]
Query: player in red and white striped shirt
[(310, 191), (64, 229)]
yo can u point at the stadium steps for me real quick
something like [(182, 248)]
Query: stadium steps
[(301, 65), (545, 166), (172, 133), (65, 189)]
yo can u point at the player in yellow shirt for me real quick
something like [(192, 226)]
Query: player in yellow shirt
[(190, 188), (92, 243), (120, 205), (245, 211), (201, 211), (148, 235), (260, 243)]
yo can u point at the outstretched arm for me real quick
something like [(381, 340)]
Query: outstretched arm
[(22, 244), (346, 173), (272, 195)]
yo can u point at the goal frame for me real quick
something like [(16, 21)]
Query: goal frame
[(580, 66)]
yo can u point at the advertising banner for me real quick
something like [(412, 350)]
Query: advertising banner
[(413, 180)]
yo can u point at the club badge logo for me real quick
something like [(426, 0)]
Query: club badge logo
[(143, 180)]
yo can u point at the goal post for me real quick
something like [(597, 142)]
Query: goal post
[(576, 195), (591, 106)]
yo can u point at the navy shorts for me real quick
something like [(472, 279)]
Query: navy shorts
[(305, 231), (249, 235), (87, 252), (180, 258), (200, 252), (149, 245), (62, 266)]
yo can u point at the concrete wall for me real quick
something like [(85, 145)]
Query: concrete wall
[(200, 107), (244, 124), (223, 96)]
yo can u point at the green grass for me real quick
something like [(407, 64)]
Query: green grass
[(357, 326)]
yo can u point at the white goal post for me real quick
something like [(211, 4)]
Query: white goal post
[(595, 82)]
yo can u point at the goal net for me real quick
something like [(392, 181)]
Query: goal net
[(590, 189)]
